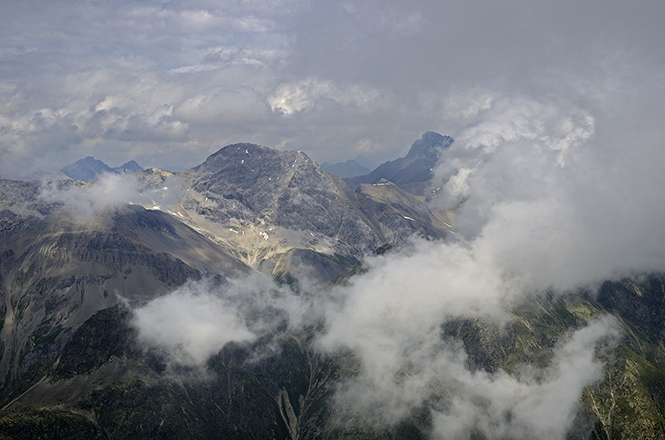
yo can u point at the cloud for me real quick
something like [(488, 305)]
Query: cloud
[(106, 192), (386, 71), (530, 406), (390, 318), (190, 325), (195, 321), (243, 105), (540, 189), (293, 98)]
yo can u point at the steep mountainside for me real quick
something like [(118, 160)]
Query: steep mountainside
[(56, 271)]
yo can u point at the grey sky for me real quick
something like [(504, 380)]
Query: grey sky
[(168, 83)]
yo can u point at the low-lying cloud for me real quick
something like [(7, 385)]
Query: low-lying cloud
[(535, 404), (87, 199), (191, 325), (537, 189), (195, 321)]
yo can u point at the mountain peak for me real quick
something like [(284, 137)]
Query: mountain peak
[(90, 168), (128, 167), (86, 169), (412, 172), (428, 143)]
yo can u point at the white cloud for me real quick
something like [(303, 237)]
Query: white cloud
[(548, 195), (292, 98), (391, 319), (84, 202), (197, 320), (190, 324), (531, 406)]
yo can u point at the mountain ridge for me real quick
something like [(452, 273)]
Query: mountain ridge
[(90, 168)]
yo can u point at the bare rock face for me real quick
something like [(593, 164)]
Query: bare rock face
[(285, 198), (258, 185)]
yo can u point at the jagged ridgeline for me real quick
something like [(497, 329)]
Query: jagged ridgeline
[(74, 271)]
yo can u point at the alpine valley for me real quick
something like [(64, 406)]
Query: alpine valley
[(277, 238)]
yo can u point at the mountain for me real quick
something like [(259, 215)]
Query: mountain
[(350, 168), (365, 162), (73, 363), (412, 172), (90, 168), (267, 202), (246, 208), (128, 167)]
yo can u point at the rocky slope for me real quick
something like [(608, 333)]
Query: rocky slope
[(56, 271), (105, 384), (265, 203)]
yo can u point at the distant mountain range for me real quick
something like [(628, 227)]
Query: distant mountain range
[(73, 271), (90, 168), (351, 168)]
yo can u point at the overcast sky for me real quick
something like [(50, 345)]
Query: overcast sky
[(169, 82)]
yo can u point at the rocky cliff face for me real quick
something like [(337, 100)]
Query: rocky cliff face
[(265, 202)]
